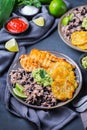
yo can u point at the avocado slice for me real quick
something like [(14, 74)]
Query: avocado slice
[(65, 21)]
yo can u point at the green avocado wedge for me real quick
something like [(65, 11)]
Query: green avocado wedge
[(19, 94)]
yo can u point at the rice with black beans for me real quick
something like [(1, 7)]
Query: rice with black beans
[(76, 23), (37, 94)]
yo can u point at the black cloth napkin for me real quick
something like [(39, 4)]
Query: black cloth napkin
[(44, 119)]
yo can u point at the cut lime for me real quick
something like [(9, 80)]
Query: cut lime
[(65, 20), (12, 45), (71, 16), (19, 87), (19, 94), (39, 21)]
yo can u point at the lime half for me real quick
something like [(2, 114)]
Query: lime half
[(39, 21), (19, 94), (12, 45)]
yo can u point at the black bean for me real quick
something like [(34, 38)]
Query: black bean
[(83, 12), (73, 20), (31, 79), (76, 9)]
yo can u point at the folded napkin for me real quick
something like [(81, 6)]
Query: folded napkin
[(44, 119)]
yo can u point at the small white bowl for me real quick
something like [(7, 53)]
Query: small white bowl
[(28, 11)]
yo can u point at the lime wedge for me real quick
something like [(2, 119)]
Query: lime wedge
[(39, 21), (19, 94), (12, 45), (65, 20), (19, 87)]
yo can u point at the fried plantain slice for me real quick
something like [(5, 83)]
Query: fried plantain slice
[(79, 38)]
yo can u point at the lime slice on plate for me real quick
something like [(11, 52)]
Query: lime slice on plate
[(19, 94), (39, 21), (12, 45), (19, 87)]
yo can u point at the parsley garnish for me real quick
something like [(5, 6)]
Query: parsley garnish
[(35, 3)]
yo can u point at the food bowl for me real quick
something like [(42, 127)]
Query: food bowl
[(28, 11), (72, 25), (16, 25), (83, 61)]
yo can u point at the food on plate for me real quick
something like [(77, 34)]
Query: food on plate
[(42, 77), (19, 87), (83, 47), (36, 94), (79, 37), (17, 25), (18, 90), (12, 45), (38, 59), (84, 23), (57, 8), (40, 21), (19, 94), (65, 83), (60, 70), (29, 10), (84, 62), (67, 19), (75, 30), (64, 79)]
